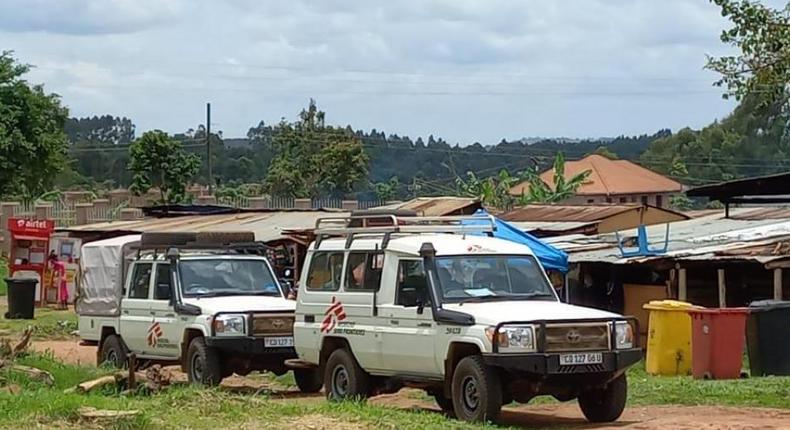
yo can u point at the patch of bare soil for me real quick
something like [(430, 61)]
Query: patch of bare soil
[(320, 422), (67, 351)]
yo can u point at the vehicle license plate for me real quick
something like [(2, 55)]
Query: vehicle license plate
[(581, 358), (278, 342)]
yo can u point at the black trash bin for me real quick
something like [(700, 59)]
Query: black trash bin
[(21, 298), (767, 334)]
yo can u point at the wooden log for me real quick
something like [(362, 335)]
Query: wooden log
[(98, 414), (34, 373), (23, 343), (778, 283), (682, 289), (132, 381)]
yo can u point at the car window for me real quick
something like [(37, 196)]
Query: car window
[(141, 279), (163, 282), (325, 271), (363, 271), (412, 284)]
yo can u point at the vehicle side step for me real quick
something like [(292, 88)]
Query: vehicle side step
[(295, 363)]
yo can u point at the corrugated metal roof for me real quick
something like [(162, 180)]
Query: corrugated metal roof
[(437, 206), (696, 237), (266, 225), (566, 213)]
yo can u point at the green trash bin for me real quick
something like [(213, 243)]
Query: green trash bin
[(767, 334), (21, 298)]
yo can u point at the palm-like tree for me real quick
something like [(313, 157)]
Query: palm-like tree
[(541, 192)]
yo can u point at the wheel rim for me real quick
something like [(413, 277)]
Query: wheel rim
[(470, 395), (340, 381), (112, 357), (197, 368)]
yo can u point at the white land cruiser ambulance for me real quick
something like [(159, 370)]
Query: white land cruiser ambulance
[(473, 320), (195, 299)]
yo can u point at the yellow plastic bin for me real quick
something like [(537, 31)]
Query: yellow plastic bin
[(669, 337)]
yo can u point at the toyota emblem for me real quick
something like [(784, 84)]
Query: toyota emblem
[(573, 336), (278, 324)]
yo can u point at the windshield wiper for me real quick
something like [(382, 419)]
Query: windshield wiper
[(214, 294), (478, 299), (498, 297), (263, 293)]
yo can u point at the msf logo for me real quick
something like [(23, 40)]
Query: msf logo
[(333, 314), (154, 333)]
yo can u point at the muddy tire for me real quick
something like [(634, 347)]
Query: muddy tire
[(607, 404), (477, 391), (113, 352), (344, 379), (203, 365), (309, 380), (445, 404)]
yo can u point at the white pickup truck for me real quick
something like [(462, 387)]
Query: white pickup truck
[(213, 307), (393, 301)]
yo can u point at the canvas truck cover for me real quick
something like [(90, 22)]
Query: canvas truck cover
[(102, 268)]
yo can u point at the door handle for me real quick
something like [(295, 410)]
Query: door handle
[(170, 315), (394, 322), (126, 312), (153, 313)]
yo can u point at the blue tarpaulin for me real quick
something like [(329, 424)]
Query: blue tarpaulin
[(549, 256)]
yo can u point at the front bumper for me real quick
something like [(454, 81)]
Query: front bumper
[(248, 345), (549, 363)]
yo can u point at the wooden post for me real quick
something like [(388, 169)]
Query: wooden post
[(682, 296), (722, 289), (132, 360), (778, 283)]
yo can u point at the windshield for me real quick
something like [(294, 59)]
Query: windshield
[(226, 276), (486, 277)]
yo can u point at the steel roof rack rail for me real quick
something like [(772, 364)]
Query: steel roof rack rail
[(388, 224)]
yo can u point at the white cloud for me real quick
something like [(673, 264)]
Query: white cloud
[(468, 70)]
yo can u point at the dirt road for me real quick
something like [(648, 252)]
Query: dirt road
[(564, 416)]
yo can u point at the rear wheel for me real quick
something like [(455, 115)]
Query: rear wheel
[(605, 405), (113, 352), (477, 390), (344, 379), (204, 366), (308, 380)]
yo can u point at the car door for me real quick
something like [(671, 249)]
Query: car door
[(163, 336), (136, 315), (408, 329)]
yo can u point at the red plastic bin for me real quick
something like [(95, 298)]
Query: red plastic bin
[(717, 341)]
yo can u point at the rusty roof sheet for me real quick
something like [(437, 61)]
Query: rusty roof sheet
[(566, 213), (610, 177), (437, 206), (265, 225)]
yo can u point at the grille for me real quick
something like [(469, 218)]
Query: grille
[(587, 337), (268, 325)]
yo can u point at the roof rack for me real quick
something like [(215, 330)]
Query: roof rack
[(389, 224)]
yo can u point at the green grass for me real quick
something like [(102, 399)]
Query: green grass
[(48, 324), (186, 407)]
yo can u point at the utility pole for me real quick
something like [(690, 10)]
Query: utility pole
[(208, 150)]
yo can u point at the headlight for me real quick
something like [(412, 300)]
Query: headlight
[(624, 335), (230, 325), (514, 338)]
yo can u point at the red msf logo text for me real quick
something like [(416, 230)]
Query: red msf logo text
[(154, 333), (333, 314)]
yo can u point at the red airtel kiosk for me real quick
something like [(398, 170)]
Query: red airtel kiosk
[(29, 249)]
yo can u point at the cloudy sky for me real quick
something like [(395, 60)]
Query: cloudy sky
[(465, 70)]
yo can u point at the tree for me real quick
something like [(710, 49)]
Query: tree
[(762, 68), (32, 142), (563, 188), (496, 191), (158, 161), (604, 152), (386, 191), (100, 130), (312, 159)]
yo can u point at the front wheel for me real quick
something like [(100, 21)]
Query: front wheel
[(308, 380), (477, 390), (604, 405), (344, 379), (203, 365)]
